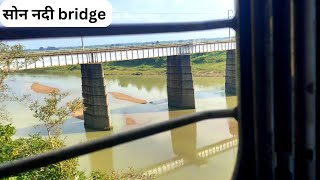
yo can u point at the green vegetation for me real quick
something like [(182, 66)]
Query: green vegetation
[(209, 64), (205, 64), (52, 115), (7, 55), (12, 149)]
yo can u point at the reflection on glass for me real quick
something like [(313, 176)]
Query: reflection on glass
[(184, 146)]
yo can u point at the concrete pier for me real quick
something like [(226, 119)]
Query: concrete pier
[(231, 73), (96, 112), (179, 82)]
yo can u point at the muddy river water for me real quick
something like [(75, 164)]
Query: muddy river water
[(205, 150)]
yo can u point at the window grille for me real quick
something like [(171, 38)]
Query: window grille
[(277, 89)]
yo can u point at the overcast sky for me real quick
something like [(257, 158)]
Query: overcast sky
[(145, 11)]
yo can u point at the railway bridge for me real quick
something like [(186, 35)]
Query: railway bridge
[(179, 75)]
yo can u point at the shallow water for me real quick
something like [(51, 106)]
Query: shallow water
[(205, 150)]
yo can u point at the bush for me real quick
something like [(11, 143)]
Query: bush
[(212, 57), (23, 147)]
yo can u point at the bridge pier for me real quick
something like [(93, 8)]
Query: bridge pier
[(96, 111), (179, 82), (230, 86)]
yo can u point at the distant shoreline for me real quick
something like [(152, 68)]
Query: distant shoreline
[(125, 71), (211, 64)]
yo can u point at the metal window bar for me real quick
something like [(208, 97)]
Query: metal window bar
[(123, 29)]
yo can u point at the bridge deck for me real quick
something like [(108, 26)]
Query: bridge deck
[(77, 56)]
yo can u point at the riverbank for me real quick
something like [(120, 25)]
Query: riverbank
[(203, 65), (43, 89), (199, 70)]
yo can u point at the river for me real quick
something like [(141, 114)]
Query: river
[(205, 150)]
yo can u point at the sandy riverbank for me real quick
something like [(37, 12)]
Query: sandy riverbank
[(79, 115), (125, 97), (44, 89)]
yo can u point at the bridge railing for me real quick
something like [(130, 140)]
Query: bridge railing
[(202, 153), (124, 47), (74, 57), (223, 45)]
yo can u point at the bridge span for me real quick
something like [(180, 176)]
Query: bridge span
[(100, 55)]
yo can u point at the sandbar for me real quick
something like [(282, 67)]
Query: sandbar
[(125, 97), (43, 89)]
